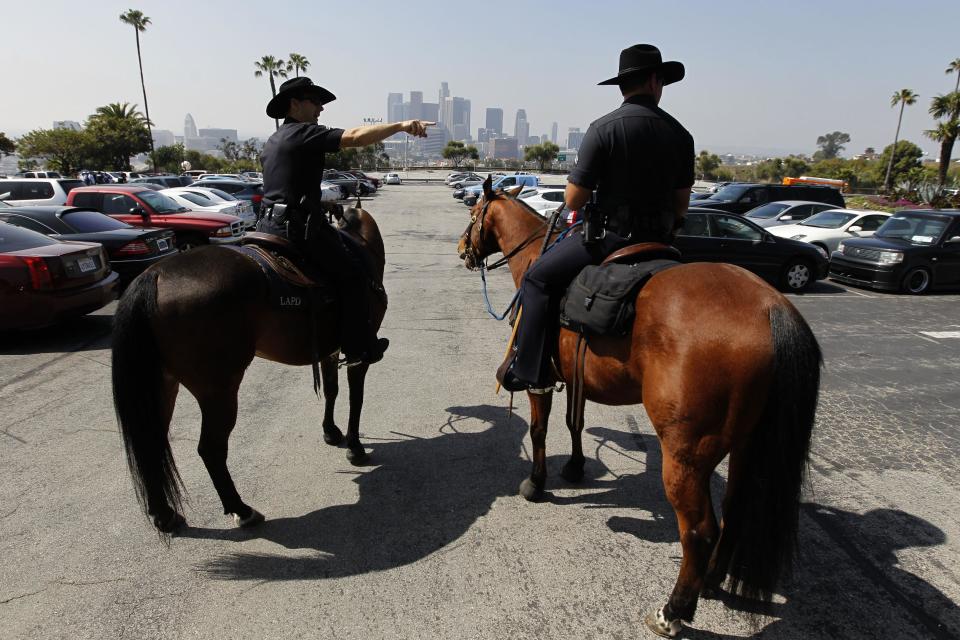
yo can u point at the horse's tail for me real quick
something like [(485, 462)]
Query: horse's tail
[(139, 397), (763, 508)]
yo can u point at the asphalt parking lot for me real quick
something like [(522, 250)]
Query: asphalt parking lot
[(430, 540)]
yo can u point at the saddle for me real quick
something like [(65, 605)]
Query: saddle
[(292, 283), (600, 300)]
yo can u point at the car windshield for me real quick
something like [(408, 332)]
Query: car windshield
[(160, 203), (223, 195), (730, 192), (4, 205), (770, 210), (829, 219), (196, 199), (85, 221), (16, 239), (914, 228)]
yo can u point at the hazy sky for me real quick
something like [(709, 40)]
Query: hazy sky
[(759, 74)]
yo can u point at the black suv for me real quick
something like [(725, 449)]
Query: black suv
[(740, 197), (252, 192)]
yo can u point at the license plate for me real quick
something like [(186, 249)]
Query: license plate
[(86, 264), (162, 244)]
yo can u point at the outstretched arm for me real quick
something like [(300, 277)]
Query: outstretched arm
[(362, 136)]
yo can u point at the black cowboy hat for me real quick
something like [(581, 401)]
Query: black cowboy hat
[(646, 57), (296, 87)]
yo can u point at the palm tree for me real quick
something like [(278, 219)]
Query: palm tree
[(121, 111), (948, 108), (954, 67), (903, 98), (272, 67), (139, 22), (297, 63)]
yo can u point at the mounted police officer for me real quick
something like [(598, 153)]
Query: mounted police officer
[(293, 164), (640, 161)]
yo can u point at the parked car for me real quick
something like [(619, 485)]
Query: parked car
[(350, 185), (828, 228), (130, 250), (37, 174), (360, 174), (694, 196), (167, 182), (719, 236), (470, 198), (198, 200), (253, 176), (44, 281), (142, 207), (456, 175), (391, 178), (19, 192), (467, 181), (543, 200), (240, 189), (741, 197), (505, 182), (774, 214), (914, 252)]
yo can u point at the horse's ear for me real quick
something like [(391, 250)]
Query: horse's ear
[(515, 191), (488, 187)]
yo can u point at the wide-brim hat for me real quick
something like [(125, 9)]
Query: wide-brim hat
[(642, 58), (302, 86)]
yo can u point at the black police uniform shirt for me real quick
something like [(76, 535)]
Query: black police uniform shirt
[(637, 155), (293, 161)]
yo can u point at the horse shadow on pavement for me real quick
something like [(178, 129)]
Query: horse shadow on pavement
[(839, 553), (423, 496)]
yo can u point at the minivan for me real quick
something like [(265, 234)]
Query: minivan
[(740, 197), (20, 192)]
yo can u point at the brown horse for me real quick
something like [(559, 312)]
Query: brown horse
[(197, 319), (724, 365)]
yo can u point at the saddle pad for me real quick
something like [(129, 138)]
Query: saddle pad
[(600, 300), (289, 289)]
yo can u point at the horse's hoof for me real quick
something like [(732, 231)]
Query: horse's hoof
[(332, 435), (572, 471), (251, 520), (661, 626), (171, 524), (529, 490), (357, 456)]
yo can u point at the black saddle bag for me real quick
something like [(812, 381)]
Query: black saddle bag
[(600, 301)]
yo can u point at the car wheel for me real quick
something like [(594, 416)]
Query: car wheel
[(916, 282), (190, 241), (798, 275)]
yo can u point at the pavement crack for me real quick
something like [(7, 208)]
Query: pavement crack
[(20, 597)]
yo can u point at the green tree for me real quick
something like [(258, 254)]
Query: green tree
[(169, 158), (120, 133), (899, 163), (297, 63), (139, 22), (947, 109), (7, 146), (831, 144), (707, 165), (230, 149), (63, 150), (458, 152), (903, 97), (954, 67), (795, 166), (272, 68), (543, 154)]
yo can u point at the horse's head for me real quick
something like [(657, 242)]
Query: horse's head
[(477, 241)]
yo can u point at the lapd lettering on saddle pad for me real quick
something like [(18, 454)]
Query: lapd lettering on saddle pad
[(291, 301)]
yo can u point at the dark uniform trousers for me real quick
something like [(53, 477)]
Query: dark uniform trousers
[(324, 247), (543, 286)]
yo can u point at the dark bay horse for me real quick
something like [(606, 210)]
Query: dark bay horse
[(197, 319), (724, 365)]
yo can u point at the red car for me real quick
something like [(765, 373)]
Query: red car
[(44, 281), (140, 206)]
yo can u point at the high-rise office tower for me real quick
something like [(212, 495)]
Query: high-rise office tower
[(494, 121), (394, 107), (574, 138), (553, 133), (416, 105), (189, 127), (521, 128), (443, 95), (455, 116)]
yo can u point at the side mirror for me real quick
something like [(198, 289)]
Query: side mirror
[(138, 211), (855, 229), (786, 217), (953, 240)]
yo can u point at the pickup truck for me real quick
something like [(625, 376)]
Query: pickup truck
[(140, 206)]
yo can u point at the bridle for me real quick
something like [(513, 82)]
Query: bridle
[(479, 261)]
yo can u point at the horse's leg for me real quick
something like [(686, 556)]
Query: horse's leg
[(331, 386), (540, 404), (687, 484), (219, 410), (573, 469), (729, 529), (356, 375)]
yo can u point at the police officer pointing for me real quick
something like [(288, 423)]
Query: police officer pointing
[(293, 164), (640, 161)]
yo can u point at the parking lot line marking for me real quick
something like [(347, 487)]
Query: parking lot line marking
[(941, 334)]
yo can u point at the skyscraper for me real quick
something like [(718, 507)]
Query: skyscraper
[(455, 117), (394, 107), (443, 95), (553, 133), (521, 128), (494, 121), (574, 138), (189, 127), (416, 105)]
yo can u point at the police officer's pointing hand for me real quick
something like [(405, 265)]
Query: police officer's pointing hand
[(417, 128)]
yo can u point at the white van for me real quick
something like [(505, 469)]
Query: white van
[(37, 174), (20, 192)]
